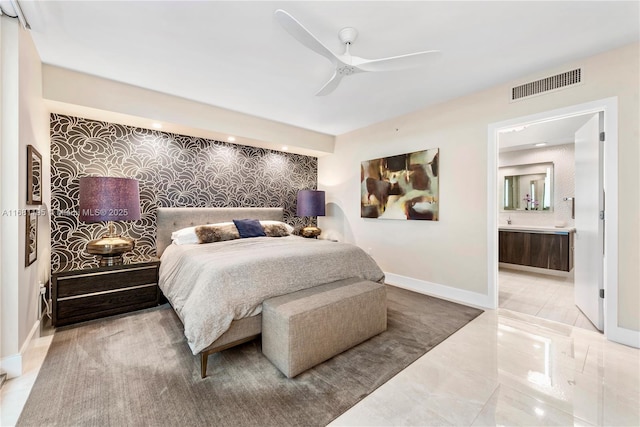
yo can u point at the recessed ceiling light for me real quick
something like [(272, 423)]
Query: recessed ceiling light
[(285, 148), (540, 144), (156, 125), (231, 138)]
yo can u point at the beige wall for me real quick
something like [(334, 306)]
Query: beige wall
[(34, 130), (24, 121), (453, 251), (91, 97)]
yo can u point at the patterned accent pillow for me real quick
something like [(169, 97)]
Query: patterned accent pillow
[(275, 230), (216, 233)]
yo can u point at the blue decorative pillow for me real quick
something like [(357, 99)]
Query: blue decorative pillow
[(249, 228)]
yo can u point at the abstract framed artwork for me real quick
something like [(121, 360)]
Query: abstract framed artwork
[(34, 176), (31, 237), (401, 187)]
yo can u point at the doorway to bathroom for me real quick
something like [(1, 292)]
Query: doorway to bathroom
[(540, 202), (536, 219)]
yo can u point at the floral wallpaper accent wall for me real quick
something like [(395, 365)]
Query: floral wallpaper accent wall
[(172, 170)]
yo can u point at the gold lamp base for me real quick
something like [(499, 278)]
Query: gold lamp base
[(310, 231), (109, 249)]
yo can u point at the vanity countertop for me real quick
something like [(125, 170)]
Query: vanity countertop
[(535, 228)]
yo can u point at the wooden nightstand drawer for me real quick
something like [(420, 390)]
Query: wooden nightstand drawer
[(95, 292), (98, 281), (93, 306)]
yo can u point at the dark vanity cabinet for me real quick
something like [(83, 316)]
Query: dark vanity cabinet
[(552, 250)]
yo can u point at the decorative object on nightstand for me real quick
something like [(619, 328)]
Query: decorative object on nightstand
[(310, 203), (109, 199)]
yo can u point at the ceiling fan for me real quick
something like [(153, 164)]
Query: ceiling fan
[(347, 64)]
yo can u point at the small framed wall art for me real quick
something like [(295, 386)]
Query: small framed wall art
[(34, 176), (401, 187), (31, 237)]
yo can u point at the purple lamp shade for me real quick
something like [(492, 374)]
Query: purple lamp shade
[(109, 199), (310, 203)]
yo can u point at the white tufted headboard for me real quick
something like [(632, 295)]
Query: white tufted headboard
[(172, 219)]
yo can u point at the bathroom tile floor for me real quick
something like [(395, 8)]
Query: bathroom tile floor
[(540, 295)]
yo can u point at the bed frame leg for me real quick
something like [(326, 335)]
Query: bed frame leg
[(203, 364)]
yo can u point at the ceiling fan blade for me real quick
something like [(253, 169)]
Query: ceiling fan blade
[(304, 36), (331, 85), (401, 62)]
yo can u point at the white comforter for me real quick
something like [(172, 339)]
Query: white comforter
[(210, 285)]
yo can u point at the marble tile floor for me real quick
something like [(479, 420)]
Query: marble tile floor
[(540, 295), (509, 368), (503, 368)]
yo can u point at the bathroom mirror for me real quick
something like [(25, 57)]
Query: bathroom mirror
[(527, 188)]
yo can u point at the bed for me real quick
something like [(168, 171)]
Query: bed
[(217, 289)]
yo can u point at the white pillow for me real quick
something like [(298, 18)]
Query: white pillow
[(187, 236)]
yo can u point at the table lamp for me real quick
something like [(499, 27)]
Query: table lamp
[(310, 203), (109, 199)]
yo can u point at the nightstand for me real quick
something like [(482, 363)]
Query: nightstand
[(91, 293)]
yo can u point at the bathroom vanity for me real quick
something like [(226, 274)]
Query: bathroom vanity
[(542, 247)]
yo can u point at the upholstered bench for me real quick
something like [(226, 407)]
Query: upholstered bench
[(305, 328)]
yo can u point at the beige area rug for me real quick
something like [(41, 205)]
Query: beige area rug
[(137, 370)]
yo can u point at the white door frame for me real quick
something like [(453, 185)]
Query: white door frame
[(610, 107)]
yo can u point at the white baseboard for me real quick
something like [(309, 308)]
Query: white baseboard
[(12, 365), (441, 291)]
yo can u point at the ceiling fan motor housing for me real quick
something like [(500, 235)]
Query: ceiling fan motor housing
[(348, 35)]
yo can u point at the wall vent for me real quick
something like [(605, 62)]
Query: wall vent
[(548, 83)]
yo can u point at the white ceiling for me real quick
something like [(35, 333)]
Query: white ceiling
[(551, 132), (233, 54)]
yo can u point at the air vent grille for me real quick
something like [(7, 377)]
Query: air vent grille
[(549, 83)]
